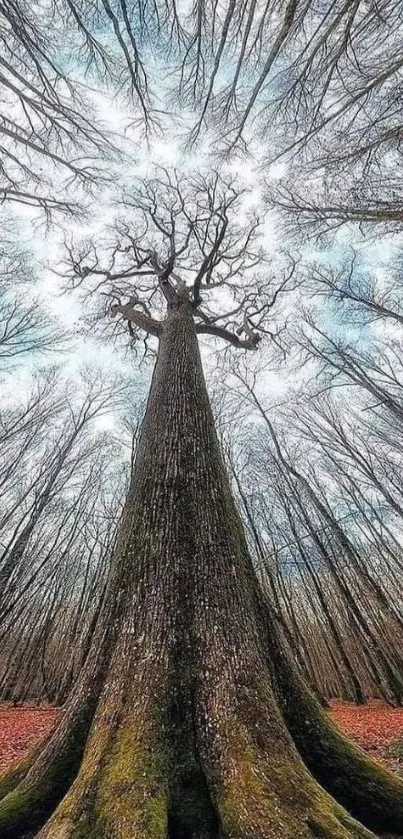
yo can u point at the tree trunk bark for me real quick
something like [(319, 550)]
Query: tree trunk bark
[(187, 739)]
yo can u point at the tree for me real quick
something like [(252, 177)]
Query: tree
[(316, 538), (57, 461), (25, 329), (47, 620), (61, 482), (359, 295), (47, 142), (337, 117), (317, 85), (188, 719)]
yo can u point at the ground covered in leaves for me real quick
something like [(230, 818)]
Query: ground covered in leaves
[(21, 728), (376, 727)]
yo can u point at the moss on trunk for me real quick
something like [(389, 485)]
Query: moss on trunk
[(33, 790), (367, 790)]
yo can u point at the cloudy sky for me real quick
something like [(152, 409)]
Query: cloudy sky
[(122, 118)]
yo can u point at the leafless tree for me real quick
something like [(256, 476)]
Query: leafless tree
[(43, 130), (360, 296), (320, 81), (53, 430), (48, 617), (186, 654), (297, 511), (192, 235), (25, 327)]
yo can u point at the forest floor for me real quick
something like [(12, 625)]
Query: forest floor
[(21, 728), (376, 727)]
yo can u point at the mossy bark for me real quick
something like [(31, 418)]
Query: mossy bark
[(186, 737), (368, 791), (30, 792)]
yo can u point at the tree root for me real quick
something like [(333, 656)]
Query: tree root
[(121, 790), (30, 792), (225, 767), (242, 779), (43, 778), (368, 791), (261, 788), (124, 787)]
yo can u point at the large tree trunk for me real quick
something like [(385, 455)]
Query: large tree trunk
[(187, 739)]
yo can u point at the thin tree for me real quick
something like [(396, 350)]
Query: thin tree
[(25, 328)]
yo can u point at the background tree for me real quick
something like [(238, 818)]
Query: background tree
[(26, 329), (319, 82), (58, 518), (59, 459), (327, 568), (49, 612), (48, 144)]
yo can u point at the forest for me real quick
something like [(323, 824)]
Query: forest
[(201, 419)]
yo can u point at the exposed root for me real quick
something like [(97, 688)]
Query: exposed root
[(241, 785), (270, 795), (258, 782), (121, 790), (365, 788), (119, 795), (30, 792), (43, 778), (12, 777)]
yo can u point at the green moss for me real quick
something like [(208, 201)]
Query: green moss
[(263, 794), (42, 784), (249, 795), (9, 780), (32, 801), (368, 791), (132, 787), (364, 787)]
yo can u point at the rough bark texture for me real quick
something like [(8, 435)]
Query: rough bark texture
[(368, 791), (180, 712)]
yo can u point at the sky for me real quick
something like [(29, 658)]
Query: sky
[(46, 244), (89, 350), (166, 147)]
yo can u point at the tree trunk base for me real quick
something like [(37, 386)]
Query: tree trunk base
[(166, 756), (170, 754), (223, 780), (125, 790), (365, 788)]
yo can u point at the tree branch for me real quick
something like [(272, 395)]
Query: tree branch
[(147, 324), (250, 343)]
